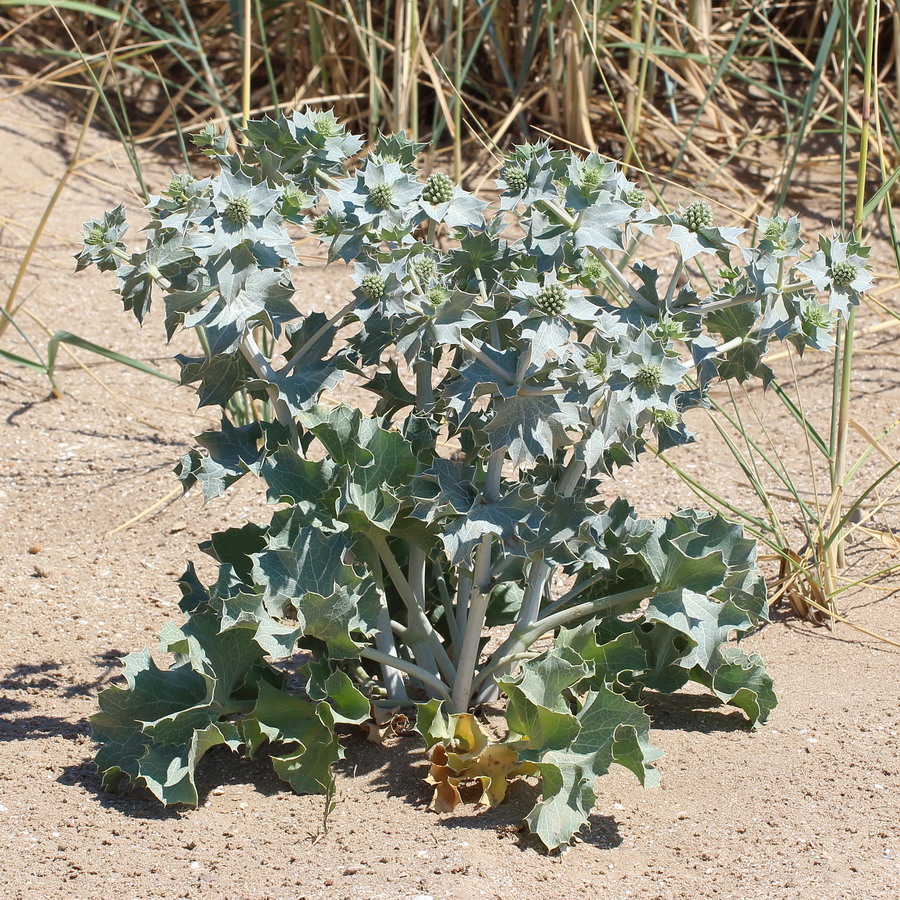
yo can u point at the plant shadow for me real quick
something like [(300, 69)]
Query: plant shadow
[(219, 768), (693, 712)]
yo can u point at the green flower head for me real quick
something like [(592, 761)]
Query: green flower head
[(843, 273), (635, 197), (381, 195), (698, 216), (237, 211), (648, 376), (596, 363), (438, 189), (515, 178), (551, 299), (372, 286)]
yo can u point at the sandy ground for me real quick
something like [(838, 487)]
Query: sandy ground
[(805, 808)]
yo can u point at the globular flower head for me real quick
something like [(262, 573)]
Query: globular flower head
[(817, 316), (592, 269), (635, 197), (237, 210), (551, 299), (698, 216), (424, 267), (325, 123), (667, 417), (646, 372), (595, 363), (372, 286), (515, 178), (774, 231), (843, 273), (591, 176), (649, 376), (437, 294), (381, 195), (94, 234), (841, 268), (438, 189)]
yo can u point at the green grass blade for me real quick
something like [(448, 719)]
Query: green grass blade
[(66, 337)]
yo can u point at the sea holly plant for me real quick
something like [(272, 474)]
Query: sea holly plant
[(446, 546)]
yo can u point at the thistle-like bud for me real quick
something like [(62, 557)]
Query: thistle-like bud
[(438, 189), (596, 363), (95, 234), (669, 329), (437, 294), (698, 215), (843, 273), (817, 316), (294, 198), (774, 231), (592, 269), (424, 267), (515, 178), (648, 376), (326, 125), (591, 176), (372, 286), (551, 299), (177, 186), (667, 417), (237, 211), (635, 197), (381, 195)]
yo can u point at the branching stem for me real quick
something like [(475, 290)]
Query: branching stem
[(520, 639), (480, 594), (418, 620), (431, 681)]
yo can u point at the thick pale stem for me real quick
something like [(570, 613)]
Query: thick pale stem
[(418, 620), (263, 368), (384, 641), (431, 681), (317, 335), (508, 377), (521, 639), (480, 594), (673, 284), (417, 556), (712, 305), (538, 578)]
